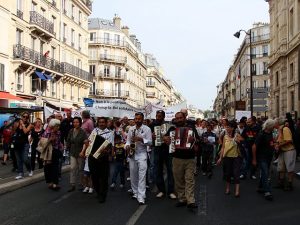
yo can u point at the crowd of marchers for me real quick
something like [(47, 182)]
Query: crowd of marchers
[(167, 155)]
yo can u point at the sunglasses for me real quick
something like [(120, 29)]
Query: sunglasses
[(25, 116)]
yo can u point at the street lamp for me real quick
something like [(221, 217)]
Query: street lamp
[(237, 35)]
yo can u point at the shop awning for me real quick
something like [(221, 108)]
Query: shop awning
[(40, 75), (48, 77), (60, 104), (8, 96)]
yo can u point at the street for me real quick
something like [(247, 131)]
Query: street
[(36, 204)]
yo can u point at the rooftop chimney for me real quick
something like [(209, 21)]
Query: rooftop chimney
[(125, 30), (117, 21)]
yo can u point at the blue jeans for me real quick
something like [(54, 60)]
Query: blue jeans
[(22, 157), (119, 168), (264, 167)]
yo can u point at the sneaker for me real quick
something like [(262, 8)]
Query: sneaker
[(19, 177), (253, 177), (91, 190), (204, 174), (134, 196), (130, 191), (268, 196), (121, 186), (30, 173), (242, 177), (141, 201), (113, 185), (86, 189), (128, 179), (172, 196), (160, 195)]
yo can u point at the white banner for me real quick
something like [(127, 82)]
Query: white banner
[(240, 114), (171, 111), (112, 108), (49, 111)]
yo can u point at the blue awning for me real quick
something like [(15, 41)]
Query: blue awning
[(40, 75), (48, 77)]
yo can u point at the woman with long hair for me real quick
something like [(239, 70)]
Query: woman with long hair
[(35, 135)]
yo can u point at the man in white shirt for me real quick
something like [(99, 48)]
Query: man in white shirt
[(139, 136)]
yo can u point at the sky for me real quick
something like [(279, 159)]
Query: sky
[(192, 39)]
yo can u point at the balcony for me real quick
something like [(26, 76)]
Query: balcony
[(113, 76), (20, 14), (111, 93), (150, 94), (106, 41), (150, 84), (76, 71), (21, 52), (113, 58), (41, 25)]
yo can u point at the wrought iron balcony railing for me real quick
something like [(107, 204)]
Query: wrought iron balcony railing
[(20, 14), (29, 55), (107, 41), (150, 84), (113, 58), (76, 71), (42, 22), (121, 76)]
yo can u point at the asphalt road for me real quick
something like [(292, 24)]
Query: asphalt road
[(36, 204)]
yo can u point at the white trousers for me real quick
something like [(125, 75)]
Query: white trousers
[(138, 170)]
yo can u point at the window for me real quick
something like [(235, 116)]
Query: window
[(277, 79), (54, 22), (106, 71), (277, 106), (34, 84), (64, 32), (33, 6), (1, 77), (253, 69), (265, 83), (63, 90), (118, 71), (72, 11), (33, 40), (79, 17), (52, 52), (93, 36), (265, 50), (117, 39), (106, 38), (19, 81), (265, 68), (92, 69), (79, 42), (19, 37), (72, 92), (78, 93), (53, 88), (43, 12), (291, 71), (42, 47), (291, 22), (72, 37), (79, 63), (253, 52), (292, 98), (64, 6)]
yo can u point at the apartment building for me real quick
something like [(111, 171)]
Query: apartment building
[(235, 89), (44, 51), (116, 62), (158, 88), (285, 56)]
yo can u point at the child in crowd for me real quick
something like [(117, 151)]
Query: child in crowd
[(119, 156), (87, 180)]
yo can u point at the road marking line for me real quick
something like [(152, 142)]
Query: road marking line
[(136, 215), (202, 201), (65, 196)]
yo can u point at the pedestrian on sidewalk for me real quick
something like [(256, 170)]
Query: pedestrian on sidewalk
[(77, 142), (6, 140), (51, 168), (35, 136), (263, 150), (230, 155)]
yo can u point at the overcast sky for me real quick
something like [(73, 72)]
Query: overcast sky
[(191, 39)]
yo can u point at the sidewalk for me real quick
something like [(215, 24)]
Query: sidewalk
[(7, 177)]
